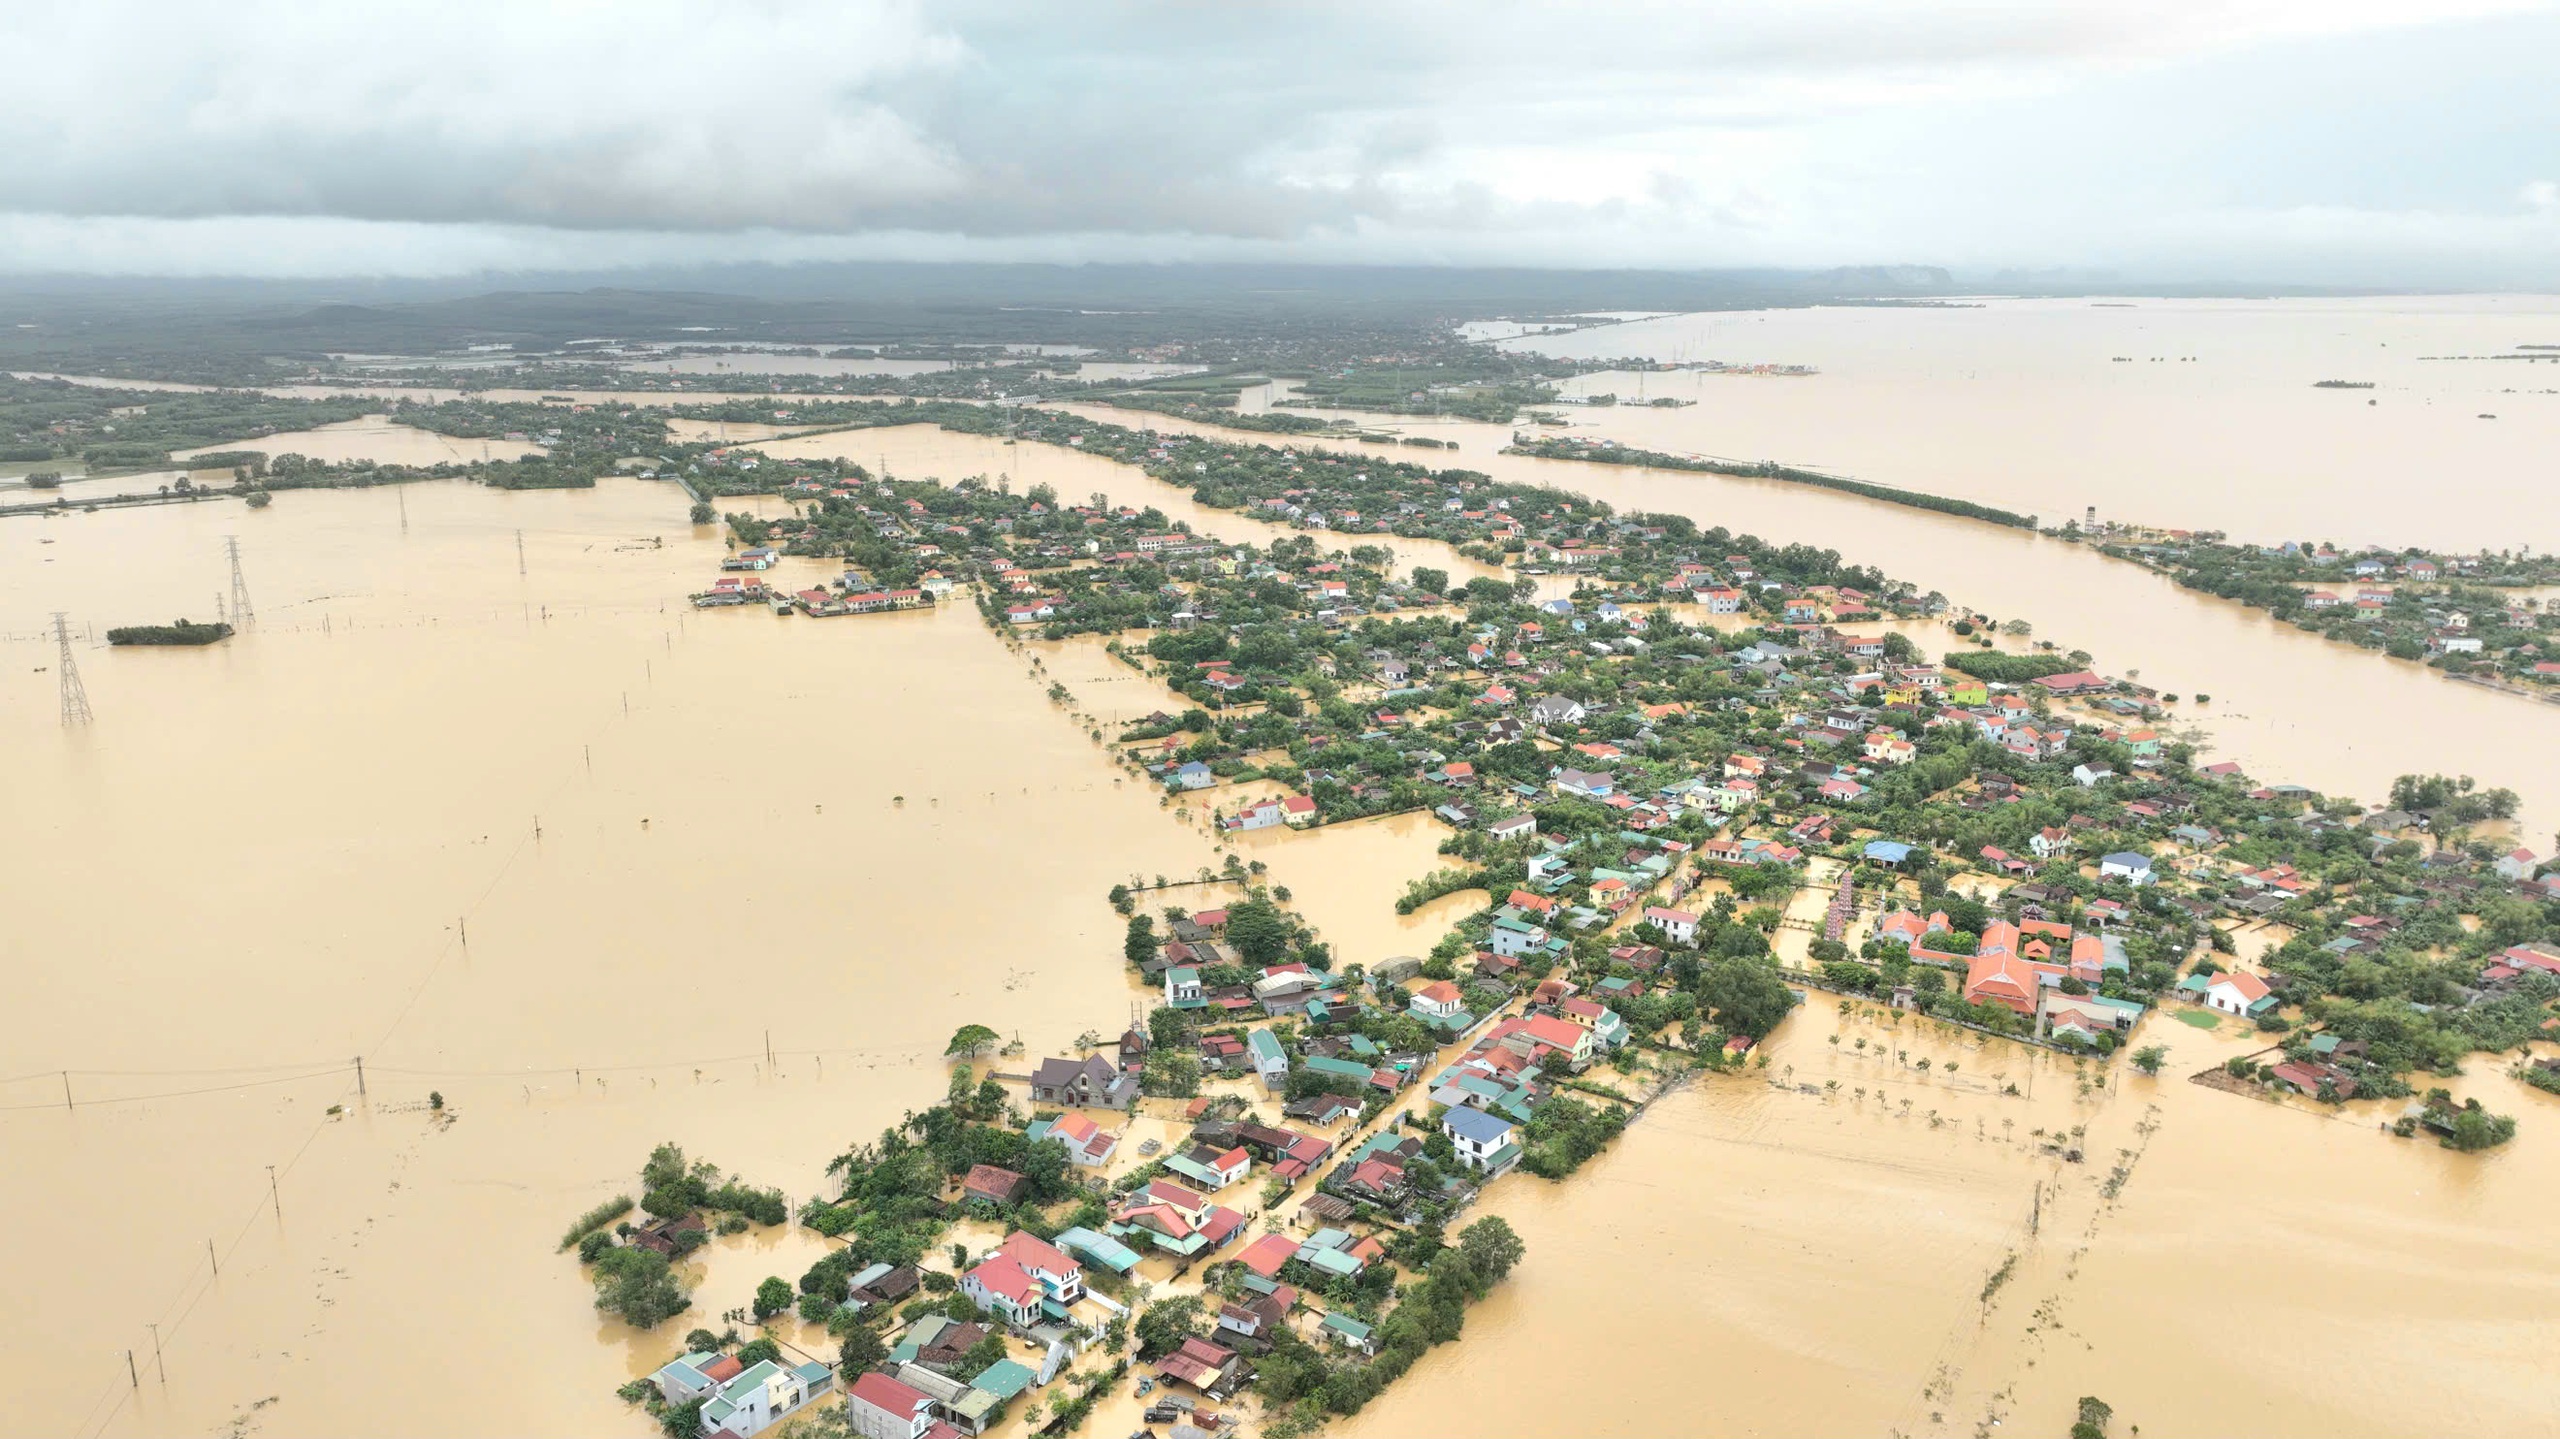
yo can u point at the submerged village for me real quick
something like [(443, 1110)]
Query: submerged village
[(1687, 777)]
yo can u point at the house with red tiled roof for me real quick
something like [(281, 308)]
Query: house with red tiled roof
[(1439, 999), (2002, 978), (1264, 1256), (1202, 1365), (880, 1407)]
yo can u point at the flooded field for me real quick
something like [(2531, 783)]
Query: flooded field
[(839, 839), (2199, 414), (1755, 1259), (378, 438)]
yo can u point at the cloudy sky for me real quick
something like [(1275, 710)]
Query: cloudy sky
[(2370, 142)]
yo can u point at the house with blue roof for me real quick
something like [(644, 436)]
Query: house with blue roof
[(1483, 1141)]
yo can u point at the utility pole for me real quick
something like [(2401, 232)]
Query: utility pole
[(274, 1193), (242, 615), (519, 552), (360, 1090), (212, 1258), (75, 695), (157, 1361)]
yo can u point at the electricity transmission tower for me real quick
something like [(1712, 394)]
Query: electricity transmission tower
[(242, 617), (75, 696)]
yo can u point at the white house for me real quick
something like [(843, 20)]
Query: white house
[(1439, 999), (1557, 709), (1263, 814), (2234, 992), (1886, 747), (1482, 1141), (2091, 776), (1677, 925), (764, 1395), (2125, 865)]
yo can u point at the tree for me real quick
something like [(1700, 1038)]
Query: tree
[(1166, 1323), (637, 1287), (1259, 931), (1141, 944), (773, 1296), (2476, 1128), (969, 1039), (2092, 1423), (1435, 581), (1745, 996), (863, 1351), (983, 1353), (2150, 1057), (683, 1421), (1491, 1248)]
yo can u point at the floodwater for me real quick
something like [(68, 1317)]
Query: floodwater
[(1753, 1259), (377, 438), (841, 839), (2290, 706), (834, 842), (2211, 420)]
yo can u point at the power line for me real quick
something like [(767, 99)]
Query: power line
[(75, 695), (180, 1093), (242, 615)]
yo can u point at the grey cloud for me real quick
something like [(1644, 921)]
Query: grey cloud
[(1628, 133)]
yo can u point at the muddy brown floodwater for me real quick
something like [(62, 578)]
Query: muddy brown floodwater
[(842, 839), (1767, 1254), (778, 861)]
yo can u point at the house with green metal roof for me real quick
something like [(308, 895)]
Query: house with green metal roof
[(1347, 1069), (1004, 1379), (763, 1395), (1349, 1330), (1270, 1060), (1099, 1249), (681, 1381)]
